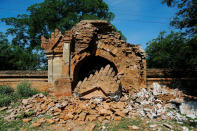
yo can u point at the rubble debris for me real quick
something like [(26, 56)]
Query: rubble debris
[(185, 128), (134, 127), (36, 124), (143, 103), (189, 109), (50, 121), (167, 125), (26, 120), (3, 108)]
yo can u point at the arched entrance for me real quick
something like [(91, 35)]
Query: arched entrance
[(89, 65)]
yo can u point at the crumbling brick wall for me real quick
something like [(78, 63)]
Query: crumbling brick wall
[(92, 43)]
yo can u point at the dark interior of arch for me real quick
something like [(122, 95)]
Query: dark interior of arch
[(90, 65)]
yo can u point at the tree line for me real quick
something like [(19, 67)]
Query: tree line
[(174, 50)]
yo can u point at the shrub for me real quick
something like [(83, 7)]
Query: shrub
[(6, 90), (24, 90), (6, 95), (5, 100)]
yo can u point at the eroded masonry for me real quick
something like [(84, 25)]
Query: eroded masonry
[(91, 60)]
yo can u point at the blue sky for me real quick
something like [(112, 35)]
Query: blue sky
[(139, 20)]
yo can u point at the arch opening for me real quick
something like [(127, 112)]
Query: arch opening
[(88, 66)]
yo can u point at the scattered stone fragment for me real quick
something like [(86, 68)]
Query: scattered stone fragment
[(3, 108), (26, 120), (91, 118), (189, 109), (185, 128), (82, 116), (90, 127), (101, 118), (167, 125), (25, 101), (36, 124), (41, 120), (117, 118), (141, 103), (133, 127), (153, 126), (50, 121)]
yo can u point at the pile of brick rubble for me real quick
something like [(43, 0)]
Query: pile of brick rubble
[(153, 102)]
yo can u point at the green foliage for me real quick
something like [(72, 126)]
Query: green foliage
[(172, 51), (25, 114), (6, 95), (123, 124), (5, 99), (13, 57), (6, 90), (176, 50), (42, 19), (24, 90), (63, 14), (186, 17), (11, 126)]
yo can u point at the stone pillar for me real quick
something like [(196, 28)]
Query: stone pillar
[(54, 67), (66, 58), (50, 68), (63, 84)]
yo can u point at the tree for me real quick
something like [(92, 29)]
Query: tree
[(186, 17), (172, 51), (44, 17), (16, 58), (169, 2)]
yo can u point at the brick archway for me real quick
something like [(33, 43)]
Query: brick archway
[(93, 38)]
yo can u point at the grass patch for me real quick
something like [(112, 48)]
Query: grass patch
[(10, 97), (143, 124), (25, 114), (5, 99), (18, 124), (124, 124), (6, 90), (11, 126), (6, 95), (24, 90)]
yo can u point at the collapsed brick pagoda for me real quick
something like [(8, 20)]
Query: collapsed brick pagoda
[(92, 60)]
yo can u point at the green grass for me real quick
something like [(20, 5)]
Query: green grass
[(9, 96), (11, 126), (5, 99), (144, 124), (6, 90), (6, 95), (23, 115), (18, 124), (124, 124), (25, 90)]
